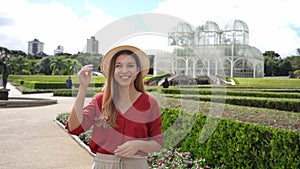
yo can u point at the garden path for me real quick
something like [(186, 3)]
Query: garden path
[(30, 138)]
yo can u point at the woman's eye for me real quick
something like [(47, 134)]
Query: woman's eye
[(130, 66)]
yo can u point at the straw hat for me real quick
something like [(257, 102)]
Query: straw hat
[(144, 60)]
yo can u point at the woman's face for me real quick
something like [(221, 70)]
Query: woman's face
[(126, 70)]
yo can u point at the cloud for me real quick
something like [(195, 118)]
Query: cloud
[(5, 20), (271, 23), (51, 23)]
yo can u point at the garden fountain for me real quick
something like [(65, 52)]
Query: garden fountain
[(19, 101), (6, 101)]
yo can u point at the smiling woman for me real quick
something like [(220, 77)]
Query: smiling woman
[(126, 121)]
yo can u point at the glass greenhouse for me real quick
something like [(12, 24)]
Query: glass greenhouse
[(208, 50)]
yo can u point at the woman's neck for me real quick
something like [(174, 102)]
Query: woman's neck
[(128, 93), (126, 98)]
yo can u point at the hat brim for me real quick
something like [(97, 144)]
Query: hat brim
[(143, 58)]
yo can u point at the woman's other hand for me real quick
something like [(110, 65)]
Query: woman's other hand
[(127, 149)]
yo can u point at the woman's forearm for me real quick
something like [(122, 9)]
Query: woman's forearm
[(76, 114)]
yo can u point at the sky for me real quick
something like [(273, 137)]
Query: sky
[(273, 24)]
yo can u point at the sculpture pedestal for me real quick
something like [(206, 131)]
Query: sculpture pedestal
[(4, 94)]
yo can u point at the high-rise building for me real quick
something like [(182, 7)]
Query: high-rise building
[(92, 46), (59, 49), (35, 47)]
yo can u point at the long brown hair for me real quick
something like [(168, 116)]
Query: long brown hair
[(109, 110)]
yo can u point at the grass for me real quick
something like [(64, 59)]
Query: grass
[(291, 83), (52, 78)]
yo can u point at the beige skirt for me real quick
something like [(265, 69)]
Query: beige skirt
[(104, 161)]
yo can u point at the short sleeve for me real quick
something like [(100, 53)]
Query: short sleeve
[(155, 124), (89, 114)]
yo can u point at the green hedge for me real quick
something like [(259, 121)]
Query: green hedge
[(281, 101), (278, 104), (270, 103), (230, 93), (73, 92), (237, 145), (52, 85)]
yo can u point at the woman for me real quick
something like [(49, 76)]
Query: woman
[(126, 121)]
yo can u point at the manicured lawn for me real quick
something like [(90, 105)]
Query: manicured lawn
[(52, 78), (270, 82)]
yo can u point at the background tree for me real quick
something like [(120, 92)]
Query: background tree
[(284, 67), (295, 62), (63, 65), (297, 73), (271, 61), (57, 65), (11, 53), (18, 65), (32, 67), (276, 66), (85, 59), (71, 66), (43, 66)]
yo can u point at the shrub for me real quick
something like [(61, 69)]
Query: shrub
[(173, 158), (297, 73), (239, 145), (63, 118)]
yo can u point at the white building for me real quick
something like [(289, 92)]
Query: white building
[(35, 47), (92, 45), (59, 49)]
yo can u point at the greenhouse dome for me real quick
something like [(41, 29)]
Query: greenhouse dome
[(236, 25), (183, 27), (182, 35), (207, 33), (235, 32), (208, 26)]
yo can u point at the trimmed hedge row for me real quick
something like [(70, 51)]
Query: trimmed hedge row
[(90, 93), (73, 92), (235, 144), (230, 93), (270, 103), (51, 85)]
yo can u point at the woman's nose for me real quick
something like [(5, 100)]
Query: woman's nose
[(124, 69)]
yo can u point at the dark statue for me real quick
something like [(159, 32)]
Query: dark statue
[(4, 69)]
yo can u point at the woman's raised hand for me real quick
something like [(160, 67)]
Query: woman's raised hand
[(85, 75)]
